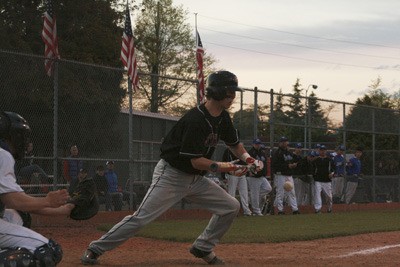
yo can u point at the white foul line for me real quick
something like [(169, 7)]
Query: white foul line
[(366, 251)]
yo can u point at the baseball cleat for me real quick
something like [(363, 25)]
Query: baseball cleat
[(89, 258), (208, 257)]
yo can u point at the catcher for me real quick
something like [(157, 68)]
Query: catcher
[(19, 245)]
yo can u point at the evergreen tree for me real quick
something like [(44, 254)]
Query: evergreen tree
[(295, 113), (280, 117), (318, 120)]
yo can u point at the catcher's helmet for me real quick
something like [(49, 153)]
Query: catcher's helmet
[(219, 83), (15, 129)]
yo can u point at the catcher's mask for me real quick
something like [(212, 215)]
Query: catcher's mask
[(219, 83), (15, 129)]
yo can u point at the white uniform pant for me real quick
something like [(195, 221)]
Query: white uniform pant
[(281, 193), (326, 189), (13, 234), (302, 191), (337, 186), (259, 188), (351, 188), (239, 183), (168, 187)]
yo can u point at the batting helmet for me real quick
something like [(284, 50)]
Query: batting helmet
[(219, 83), (15, 129)]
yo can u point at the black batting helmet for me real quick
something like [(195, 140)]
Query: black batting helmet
[(219, 83), (15, 129)]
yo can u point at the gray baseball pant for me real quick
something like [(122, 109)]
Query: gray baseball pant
[(169, 186)]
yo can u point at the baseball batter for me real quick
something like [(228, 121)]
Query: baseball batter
[(185, 157), (20, 245)]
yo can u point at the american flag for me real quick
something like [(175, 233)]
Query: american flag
[(49, 36), (128, 55), (200, 74)]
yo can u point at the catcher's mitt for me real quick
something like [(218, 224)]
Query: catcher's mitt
[(85, 200)]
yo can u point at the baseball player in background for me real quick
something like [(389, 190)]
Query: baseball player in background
[(20, 246), (353, 169), (299, 174), (339, 162), (258, 183), (237, 180), (186, 154), (282, 167), (323, 170)]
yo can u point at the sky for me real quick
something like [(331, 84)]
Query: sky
[(340, 45)]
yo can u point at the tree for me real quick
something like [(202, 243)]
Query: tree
[(279, 116), (165, 45), (384, 119), (317, 119), (243, 120), (295, 113), (90, 97)]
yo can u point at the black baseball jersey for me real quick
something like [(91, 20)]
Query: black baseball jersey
[(280, 161), (322, 167), (299, 170), (196, 135)]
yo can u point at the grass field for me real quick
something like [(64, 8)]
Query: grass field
[(275, 229)]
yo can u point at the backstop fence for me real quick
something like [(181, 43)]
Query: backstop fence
[(90, 106)]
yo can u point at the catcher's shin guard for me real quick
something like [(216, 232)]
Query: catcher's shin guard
[(49, 254), (17, 257)]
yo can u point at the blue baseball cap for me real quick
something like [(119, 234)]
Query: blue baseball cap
[(312, 153), (342, 147), (257, 141), (318, 146), (299, 145), (283, 139), (322, 147)]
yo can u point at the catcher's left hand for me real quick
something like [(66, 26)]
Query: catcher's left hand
[(85, 200)]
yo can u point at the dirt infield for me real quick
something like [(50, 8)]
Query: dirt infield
[(380, 249)]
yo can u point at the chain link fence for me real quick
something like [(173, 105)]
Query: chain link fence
[(87, 106)]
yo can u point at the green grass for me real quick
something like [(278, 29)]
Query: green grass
[(274, 229)]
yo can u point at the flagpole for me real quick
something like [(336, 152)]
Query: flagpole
[(130, 134), (55, 126), (198, 86)]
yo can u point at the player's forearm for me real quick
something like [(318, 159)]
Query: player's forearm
[(63, 210), (240, 152), (202, 164), (22, 201)]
